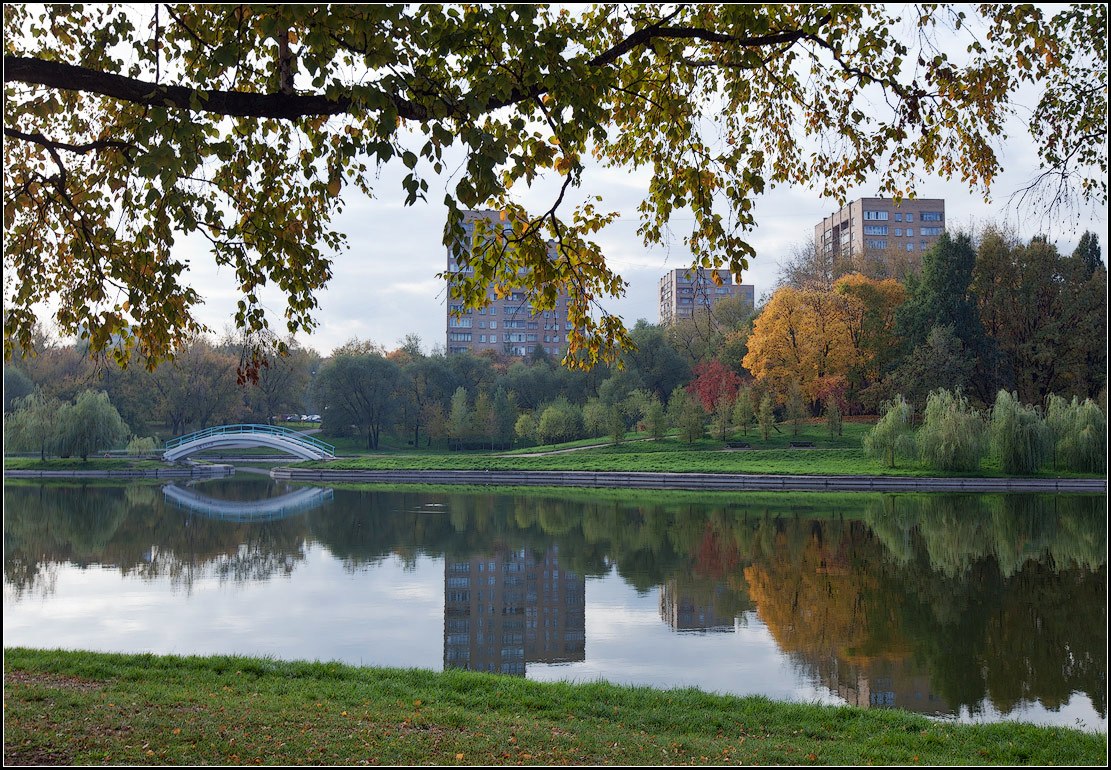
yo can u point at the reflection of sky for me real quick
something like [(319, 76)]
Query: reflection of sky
[(390, 615), (381, 615), (628, 643)]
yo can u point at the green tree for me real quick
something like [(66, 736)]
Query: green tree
[(892, 436), (482, 418), (953, 433), (16, 385), (1046, 311), (89, 425), (655, 419), (357, 389), (559, 421), (615, 423), (1078, 434), (127, 129), (460, 423), (766, 416), (743, 413), (943, 296), (504, 417), (525, 427), (686, 415), (1019, 436), (33, 426), (796, 407)]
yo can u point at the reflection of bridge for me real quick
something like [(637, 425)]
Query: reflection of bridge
[(270, 509), (241, 436)]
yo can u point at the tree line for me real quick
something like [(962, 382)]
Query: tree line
[(981, 315)]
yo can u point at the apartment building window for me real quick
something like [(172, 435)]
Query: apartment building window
[(923, 245), (929, 231), (875, 229), (460, 336), (931, 216), (459, 323), (876, 243), (493, 310), (898, 218), (898, 230), (493, 338), (910, 217), (910, 232), (910, 246), (878, 216), (482, 338)]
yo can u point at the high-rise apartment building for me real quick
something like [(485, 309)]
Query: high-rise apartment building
[(683, 291), (510, 325), (879, 238)]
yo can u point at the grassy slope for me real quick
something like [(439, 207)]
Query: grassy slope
[(666, 455), (92, 708)]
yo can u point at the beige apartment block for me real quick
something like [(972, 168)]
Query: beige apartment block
[(683, 291), (880, 238), (509, 326)]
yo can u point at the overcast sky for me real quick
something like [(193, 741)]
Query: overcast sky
[(384, 285)]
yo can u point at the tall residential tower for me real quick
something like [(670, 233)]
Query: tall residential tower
[(879, 238), (682, 291), (510, 325)]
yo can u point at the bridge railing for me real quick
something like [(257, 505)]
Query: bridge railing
[(249, 428)]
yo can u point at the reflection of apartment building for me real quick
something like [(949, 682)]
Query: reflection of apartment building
[(684, 613), (878, 237), (509, 325), (684, 291), (512, 607), (885, 684)]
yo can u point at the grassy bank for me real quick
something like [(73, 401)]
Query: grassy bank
[(77, 464), (90, 708), (666, 455)]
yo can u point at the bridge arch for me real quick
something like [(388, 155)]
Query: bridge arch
[(243, 436)]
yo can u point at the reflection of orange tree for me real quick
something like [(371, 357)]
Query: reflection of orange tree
[(817, 602)]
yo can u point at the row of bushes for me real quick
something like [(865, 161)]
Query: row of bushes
[(955, 436)]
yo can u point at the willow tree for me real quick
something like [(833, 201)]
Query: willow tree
[(129, 128)]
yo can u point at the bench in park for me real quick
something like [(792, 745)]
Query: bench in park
[(738, 445), (801, 445)]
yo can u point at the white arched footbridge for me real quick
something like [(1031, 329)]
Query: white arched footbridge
[(243, 436)]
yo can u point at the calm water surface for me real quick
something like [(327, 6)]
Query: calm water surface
[(969, 607)]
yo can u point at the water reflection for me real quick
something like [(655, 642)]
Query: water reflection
[(266, 509), (952, 604), (508, 608)]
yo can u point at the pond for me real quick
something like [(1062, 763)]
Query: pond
[(959, 606)]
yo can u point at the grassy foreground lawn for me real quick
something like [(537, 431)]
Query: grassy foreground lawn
[(93, 708)]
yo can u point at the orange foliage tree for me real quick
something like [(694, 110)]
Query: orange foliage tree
[(824, 339)]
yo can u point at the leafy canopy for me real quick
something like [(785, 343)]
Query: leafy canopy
[(128, 129)]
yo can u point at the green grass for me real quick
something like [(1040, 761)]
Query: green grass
[(666, 455), (95, 708), (77, 464)]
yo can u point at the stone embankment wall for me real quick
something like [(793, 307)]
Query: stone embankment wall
[(692, 481)]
